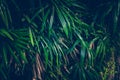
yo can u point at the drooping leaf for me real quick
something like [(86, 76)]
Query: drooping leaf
[(23, 57), (62, 21), (13, 54), (44, 20), (31, 36), (5, 33), (82, 55), (38, 12)]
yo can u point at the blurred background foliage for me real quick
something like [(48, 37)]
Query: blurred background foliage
[(59, 40)]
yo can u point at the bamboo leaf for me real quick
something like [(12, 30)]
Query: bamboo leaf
[(73, 46), (6, 34), (62, 21), (5, 56), (37, 43), (23, 57), (20, 46), (66, 14), (27, 18), (21, 42), (13, 54), (2, 72), (45, 54), (81, 39), (52, 18), (44, 20), (38, 12), (83, 54), (31, 36), (3, 14), (51, 22)]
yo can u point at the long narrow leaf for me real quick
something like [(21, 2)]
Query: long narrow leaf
[(62, 21), (31, 36)]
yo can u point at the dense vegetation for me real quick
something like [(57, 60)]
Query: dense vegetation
[(59, 40)]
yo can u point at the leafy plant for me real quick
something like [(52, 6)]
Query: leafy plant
[(58, 39)]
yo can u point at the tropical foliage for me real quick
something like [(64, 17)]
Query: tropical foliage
[(59, 40)]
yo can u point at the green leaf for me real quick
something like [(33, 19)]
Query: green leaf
[(38, 12), (51, 22), (13, 54), (23, 57), (81, 39), (3, 14), (5, 56), (45, 20), (62, 21), (20, 46), (79, 6), (31, 36), (83, 73), (82, 55), (27, 18), (66, 15), (90, 57), (54, 49), (22, 42), (60, 51), (52, 18), (93, 41), (73, 46), (2, 73), (5, 33), (62, 43), (46, 54), (37, 44)]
